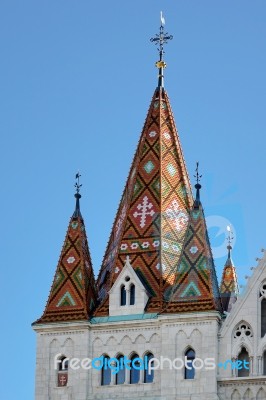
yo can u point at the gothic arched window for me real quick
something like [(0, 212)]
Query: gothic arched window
[(148, 377), (263, 317), (135, 369), (63, 364), (244, 357), (132, 294), (121, 374), (123, 296), (189, 369), (62, 376), (106, 372)]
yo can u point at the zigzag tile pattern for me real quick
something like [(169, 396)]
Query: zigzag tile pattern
[(73, 292), (196, 286), (153, 214)]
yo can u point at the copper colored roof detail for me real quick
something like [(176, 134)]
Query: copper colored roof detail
[(229, 286), (153, 215), (196, 286), (73, 292)]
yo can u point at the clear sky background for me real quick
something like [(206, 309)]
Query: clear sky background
[(76, 80)]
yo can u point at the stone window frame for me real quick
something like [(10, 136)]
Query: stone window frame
[(127, 286), (62, 370), (186, 350), (113, 381), (243, 327), (102, 370)]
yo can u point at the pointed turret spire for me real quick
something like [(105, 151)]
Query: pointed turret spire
[(153, 215), (196, 286), (230, 239), (160, 40), (197, 186), (73, 292), (229, 285)]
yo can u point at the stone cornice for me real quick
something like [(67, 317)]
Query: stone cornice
[(256, 380), (62, 327)]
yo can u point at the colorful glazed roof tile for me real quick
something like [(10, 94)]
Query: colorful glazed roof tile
[(73, 292), (229, 285), (195, 287), (153, 215)]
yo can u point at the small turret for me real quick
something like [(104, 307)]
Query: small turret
[(229, 286), (73, 292)]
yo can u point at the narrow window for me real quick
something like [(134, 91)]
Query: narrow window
[(244, 367), (263, 317), (106, 372), (123, 296), (132, 294), (189, 369), (62, 376), (264, 362), (135, 369), (121, 375), (63, 365), (148, 377)]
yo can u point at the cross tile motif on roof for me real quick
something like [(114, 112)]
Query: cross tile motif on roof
[(154, 211)]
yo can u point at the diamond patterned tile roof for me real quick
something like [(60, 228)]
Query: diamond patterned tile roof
[(153, 215), (73, 292), (196, 286)]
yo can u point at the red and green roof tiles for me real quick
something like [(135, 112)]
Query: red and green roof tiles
[(156, 225), (73, 292)]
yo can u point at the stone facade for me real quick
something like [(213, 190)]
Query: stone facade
[(162, 335)]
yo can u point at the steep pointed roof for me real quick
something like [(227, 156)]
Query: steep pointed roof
[(73, 292), (229, 286), (154, 210), (196, 286)]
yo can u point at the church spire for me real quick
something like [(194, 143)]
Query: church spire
[(73, 292), (153, 215), (160, 40), (229, 285)]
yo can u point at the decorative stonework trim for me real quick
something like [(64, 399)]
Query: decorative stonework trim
[(124, 330), (241, 381), (63, 333)]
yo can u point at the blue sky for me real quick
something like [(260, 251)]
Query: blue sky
[(76, 80)]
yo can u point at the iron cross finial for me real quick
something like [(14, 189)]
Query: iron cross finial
[(77, 184), (230, 236), (197, 176), (160, 40)]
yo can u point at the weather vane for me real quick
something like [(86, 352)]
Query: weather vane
[(230, 236), (77, 184), (197, 176), (160, 40)]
